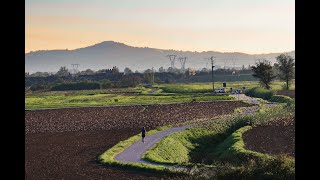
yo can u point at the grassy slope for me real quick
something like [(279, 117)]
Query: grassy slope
[(232, 148), (224, 145), (207, 136), (108, 156)]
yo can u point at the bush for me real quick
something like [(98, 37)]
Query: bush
[(259, 92), (76, 86), (38, 87), (106, 84), (282, 99)]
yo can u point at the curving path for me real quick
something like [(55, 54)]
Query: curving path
[(135, 151)]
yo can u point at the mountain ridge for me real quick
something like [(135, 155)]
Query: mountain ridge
[(107, 54)]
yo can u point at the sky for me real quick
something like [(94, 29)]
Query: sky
[(248, 26)]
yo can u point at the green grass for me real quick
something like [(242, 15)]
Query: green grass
[(167, 93), (268, 95), (259, 92), (170, 150), (233, 149), (282, 99), (219, 140), (220, 146), (108, 156), (250, 163), (98, 98), (207, 87), (196, 142)]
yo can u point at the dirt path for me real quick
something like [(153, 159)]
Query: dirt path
[(135, 151)]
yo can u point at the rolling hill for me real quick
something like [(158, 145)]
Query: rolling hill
[(109, 53)]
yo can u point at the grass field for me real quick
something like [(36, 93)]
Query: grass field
[(107, 97), (207, 87), (164, 93)]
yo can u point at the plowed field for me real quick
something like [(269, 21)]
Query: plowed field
[(64, 143)]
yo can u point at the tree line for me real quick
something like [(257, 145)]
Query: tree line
[(284, 69), (113, 78)]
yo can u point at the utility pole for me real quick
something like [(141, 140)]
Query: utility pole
[(152, 76), (212, 66)]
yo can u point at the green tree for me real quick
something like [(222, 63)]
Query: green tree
[(63, 71), (115, 70), (161, 70), (263, 71), (39, 74), (127, 71), (285, 65), (147, 75), (87, 72)]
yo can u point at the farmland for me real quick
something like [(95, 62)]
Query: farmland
[(72, 138), (220, 144), (164, 93), (273, 138), (59, 99)]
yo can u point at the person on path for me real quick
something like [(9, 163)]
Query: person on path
[(143, 133)]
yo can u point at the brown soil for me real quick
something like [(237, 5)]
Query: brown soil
[(65, 143), (275, 138)]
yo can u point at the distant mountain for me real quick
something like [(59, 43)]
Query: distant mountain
[(109, 53)]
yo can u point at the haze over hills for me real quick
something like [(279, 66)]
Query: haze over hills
[(107, 54)]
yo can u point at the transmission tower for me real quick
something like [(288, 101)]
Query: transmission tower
[(183, 62), (233, 59), (75, 68), (172, 59)]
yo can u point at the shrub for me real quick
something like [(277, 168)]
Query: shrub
[(38, 87), (282, 99), (106, 84), (76, 86), (259, 93)]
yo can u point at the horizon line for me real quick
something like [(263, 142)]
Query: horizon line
[(153, 48)]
